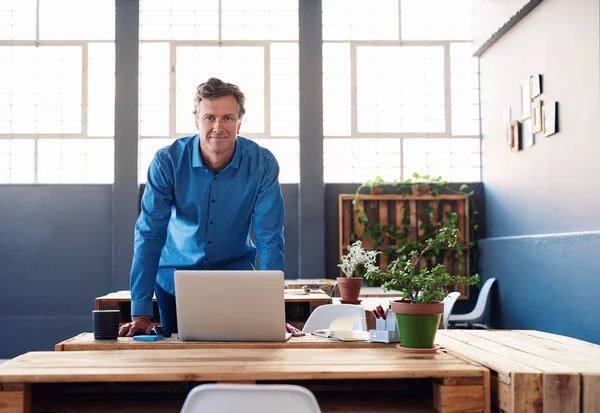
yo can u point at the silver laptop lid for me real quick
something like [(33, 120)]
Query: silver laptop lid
[(230, 305)]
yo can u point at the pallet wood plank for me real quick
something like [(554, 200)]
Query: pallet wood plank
[(562, 393), (527, 393), (457, 399), (590, 384), (231, 364)]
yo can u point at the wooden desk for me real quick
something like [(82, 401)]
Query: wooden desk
[(100, 380), (297, 306), (85, 341), (532, 371)]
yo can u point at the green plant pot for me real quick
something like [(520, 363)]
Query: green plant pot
[(417, 331)]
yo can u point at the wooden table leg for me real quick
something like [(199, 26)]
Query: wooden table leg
[(460, 394), (15, 398)]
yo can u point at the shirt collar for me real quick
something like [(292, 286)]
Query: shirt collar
[(197, 159)]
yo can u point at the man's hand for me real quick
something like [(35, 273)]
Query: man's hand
[(291, 329), (140, 324)]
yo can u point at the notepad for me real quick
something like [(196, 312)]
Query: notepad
[(341, 329)]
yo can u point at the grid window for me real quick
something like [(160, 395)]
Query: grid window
[(400, 89), (436, 19), (360, 20), (251, 44), (454, 159), (464, 78), (57, 112), (17, 20), (399, 72)]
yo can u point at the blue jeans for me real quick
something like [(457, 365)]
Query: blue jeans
[(167, 308)]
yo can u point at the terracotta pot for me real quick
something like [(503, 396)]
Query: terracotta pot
[(417, 323), (349, 287)]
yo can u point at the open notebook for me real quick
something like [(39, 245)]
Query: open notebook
[(341, 329)]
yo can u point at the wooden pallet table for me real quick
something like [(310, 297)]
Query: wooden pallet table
[(110, 381), (86, 342), (532, 371)]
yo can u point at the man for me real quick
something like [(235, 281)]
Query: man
[(201, 195)]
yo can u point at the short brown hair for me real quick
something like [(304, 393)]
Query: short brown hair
[(216, 88)]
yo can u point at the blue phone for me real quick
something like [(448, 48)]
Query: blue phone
[(148, 338)]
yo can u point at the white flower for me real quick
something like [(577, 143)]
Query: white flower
[(357, 256)]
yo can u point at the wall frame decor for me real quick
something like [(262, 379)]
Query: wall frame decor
[(515, 136), (536, 85), (550, 118), (527, 133), (536, 116), (526, 99)]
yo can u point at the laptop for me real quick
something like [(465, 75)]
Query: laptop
[(230, 305)]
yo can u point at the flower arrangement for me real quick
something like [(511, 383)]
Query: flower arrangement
[(356, 258)]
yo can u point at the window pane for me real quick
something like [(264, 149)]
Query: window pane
[(101, 89), (400, 89), (337, 113), (436, 19), (45, 89), (243, 66), (360, 20), (17, 19), (95, 20), (259, 20), (464, 75), (154, 89), (284, 91), (361, 159), (179, 20)]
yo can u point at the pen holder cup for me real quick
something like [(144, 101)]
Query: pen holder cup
[(385, 330)]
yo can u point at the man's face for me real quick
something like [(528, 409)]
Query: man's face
[(218, 124)]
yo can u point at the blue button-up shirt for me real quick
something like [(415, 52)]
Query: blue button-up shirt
[(192, 218)]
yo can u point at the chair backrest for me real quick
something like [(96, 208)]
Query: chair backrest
[(478, 312), (250, 398), (323, 315), (449, 302)]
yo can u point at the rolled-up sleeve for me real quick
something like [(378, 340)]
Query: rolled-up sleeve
[(151, 232)]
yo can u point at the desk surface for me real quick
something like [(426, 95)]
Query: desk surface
[(233, 365), (85, 341)]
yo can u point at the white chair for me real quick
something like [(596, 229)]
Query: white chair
[(323, 315), (250, 398), (449, 302), (478, 315)]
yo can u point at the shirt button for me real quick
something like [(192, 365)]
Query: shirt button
[(211, 222), (212, 200), (210, 242), (215, 178)]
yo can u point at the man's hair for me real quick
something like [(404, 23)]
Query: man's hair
[(216, 88)]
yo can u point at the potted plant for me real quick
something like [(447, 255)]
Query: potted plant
[(353, 265), (418, 313)]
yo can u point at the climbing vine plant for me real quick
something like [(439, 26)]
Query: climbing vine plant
[(403, 241)]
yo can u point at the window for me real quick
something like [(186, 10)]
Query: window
[(400, 90), (251, 44), (57, 112)]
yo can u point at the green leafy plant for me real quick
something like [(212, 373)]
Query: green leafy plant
[(404, 242), (422, 285)]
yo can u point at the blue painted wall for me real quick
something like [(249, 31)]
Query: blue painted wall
[(543, 209), (56, 258), (56, 255)]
